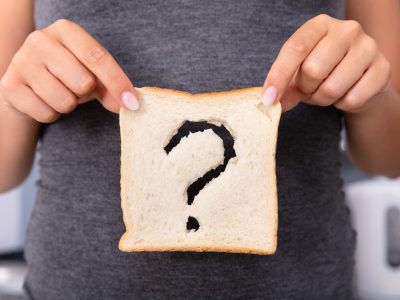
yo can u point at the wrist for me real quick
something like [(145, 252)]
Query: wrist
[(375, 105), (15, 115)]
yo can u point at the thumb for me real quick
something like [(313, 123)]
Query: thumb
[(108, 101), (275, 90)]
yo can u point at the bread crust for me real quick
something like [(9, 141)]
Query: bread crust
[(199, 96), (200, 249)]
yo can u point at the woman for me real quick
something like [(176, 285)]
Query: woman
[(327, 69)]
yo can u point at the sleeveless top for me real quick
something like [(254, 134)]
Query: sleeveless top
[(196, 46)]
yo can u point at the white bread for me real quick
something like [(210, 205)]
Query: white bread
[(236, 211)]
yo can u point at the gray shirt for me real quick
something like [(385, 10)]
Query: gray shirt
[(196, 46)]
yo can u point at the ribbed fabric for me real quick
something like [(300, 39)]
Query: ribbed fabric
[(197, 46)]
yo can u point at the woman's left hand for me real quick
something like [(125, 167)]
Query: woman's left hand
[(328, 61)]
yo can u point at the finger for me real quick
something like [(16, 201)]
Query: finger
[(99, 61), (321, 61), (375, 80), (25, 101), (346, 74), (65, 66), (292, 55), (291, 97), (49, 89)]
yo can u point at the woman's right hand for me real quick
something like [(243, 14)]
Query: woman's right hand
[(58, 68)]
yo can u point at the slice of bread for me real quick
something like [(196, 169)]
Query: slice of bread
[(198, 172)]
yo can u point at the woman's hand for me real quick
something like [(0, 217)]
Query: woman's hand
[(58, 68), (328, 61)]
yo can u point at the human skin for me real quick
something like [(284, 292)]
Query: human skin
[(354, 65), (75, 69), (325, 62)]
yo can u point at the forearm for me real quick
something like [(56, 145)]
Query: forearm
[(373, 135), (18, 133), (18, 137)]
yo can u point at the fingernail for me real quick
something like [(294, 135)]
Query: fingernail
[(269, 95), (130, 100)]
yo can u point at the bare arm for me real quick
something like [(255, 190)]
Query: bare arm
[(348, 64), (18, 133), (46, 73), (374, 133)]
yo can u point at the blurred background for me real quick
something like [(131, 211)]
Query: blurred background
[(374, 203), (15, 209)]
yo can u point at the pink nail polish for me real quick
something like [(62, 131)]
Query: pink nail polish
[(269, 95), (130, 100)]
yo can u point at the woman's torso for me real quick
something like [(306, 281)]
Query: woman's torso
[(197, 46)]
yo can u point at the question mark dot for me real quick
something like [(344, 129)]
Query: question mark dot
[(192, 223)]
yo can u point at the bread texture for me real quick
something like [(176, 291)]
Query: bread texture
[(236, 211)]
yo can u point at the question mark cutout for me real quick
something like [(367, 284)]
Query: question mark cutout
[(229, 152)]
